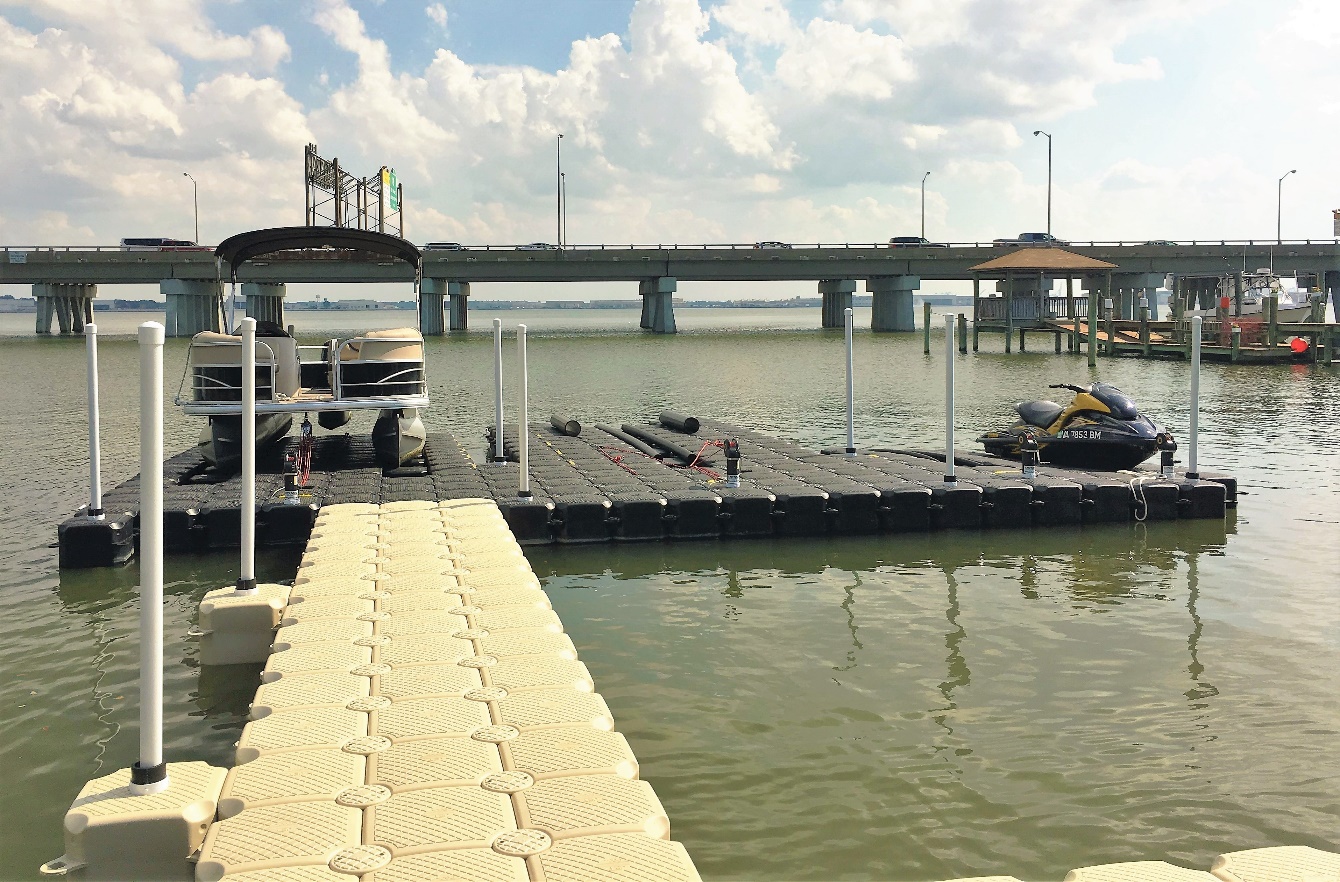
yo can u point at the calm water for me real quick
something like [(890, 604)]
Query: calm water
[(904, 708)]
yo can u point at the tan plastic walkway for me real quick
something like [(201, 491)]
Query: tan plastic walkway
[(424, 717), (1286, 863)]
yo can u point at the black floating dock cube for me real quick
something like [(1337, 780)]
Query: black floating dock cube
[(1202, 499), (86, 542), (179, 529), (1057, 503), (956, 506), (528, 519), (693, 515), (286, 523), (1160, 501), (640, 516), (1106, 501), (1006, 504), (745, 512), (800, 511), (222, 526), (903, 507), (582, 518), (853, 510)]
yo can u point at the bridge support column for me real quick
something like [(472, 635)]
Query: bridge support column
[(836, 295), (1207, 293), (1330, 282), (1132, 286), (70, 304), (192, 306), (265, 301), (891, 298), (437, 298), (658, 304)]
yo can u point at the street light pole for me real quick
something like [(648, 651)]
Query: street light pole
[(1279, 204), (923, 204), (195, 199), (558, 214), (1049, 178), (563, 215)]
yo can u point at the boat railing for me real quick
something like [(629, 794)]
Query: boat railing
[(396, 371), (221, 381)]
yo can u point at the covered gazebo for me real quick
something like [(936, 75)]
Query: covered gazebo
[(1023, 281)]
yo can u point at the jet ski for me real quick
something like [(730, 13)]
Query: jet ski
[(1100, 429)]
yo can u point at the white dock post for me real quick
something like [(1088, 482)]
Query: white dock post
[(1192, 470), (149, 775), (950, 476), (851, 388), (523, 439), (498, 392), (94, 431), (246, 580)]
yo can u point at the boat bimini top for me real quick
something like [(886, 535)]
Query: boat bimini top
[(376, 370)]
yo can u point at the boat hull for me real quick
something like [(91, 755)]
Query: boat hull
[(398, 436), (221, 440)]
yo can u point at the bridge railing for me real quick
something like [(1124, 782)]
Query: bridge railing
[(927, 250)]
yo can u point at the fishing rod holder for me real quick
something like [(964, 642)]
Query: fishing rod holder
[(732, 448)]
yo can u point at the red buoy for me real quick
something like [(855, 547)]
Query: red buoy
[(1298, 345)]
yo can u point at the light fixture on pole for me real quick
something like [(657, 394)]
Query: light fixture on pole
[(1049, 178), (1279, 203), (923, 204), (558, 195), (195, 199)]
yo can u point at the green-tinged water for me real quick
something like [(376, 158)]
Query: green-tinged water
[(908, 707)]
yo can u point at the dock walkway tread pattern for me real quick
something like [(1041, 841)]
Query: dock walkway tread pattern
[(438, 726)]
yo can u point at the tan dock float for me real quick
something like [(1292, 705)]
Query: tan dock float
[(1284, 863), (423, 716)]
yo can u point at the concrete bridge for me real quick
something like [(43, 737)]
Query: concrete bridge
[(65, 279)]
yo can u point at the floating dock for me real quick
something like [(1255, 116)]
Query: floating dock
[(422, 715), (598, 488)]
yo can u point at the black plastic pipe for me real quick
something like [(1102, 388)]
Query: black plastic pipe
[(680, 452), (640, 446), (565, 424), (673, 419)]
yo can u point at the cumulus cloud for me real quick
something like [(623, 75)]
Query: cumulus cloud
[(703, 120)]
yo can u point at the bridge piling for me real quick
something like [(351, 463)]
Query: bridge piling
[(891, 302), (71, 304), (192, 306), (658, 304), (265, 301), (836, 294)]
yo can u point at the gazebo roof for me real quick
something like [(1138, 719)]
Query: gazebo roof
[(1042, 260)]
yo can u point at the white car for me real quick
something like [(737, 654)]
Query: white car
[(537, 246)]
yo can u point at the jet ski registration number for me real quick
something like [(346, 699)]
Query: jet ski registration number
[(1089, 434)]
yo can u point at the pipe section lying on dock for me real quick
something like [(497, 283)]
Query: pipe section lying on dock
[(565, 424), (639, 446), (678, 451), (673, 419)]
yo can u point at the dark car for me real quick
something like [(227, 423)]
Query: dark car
[(1163, 242), (1032, 239), (914, 242), (537, 246), (444, 246), (771, 245)]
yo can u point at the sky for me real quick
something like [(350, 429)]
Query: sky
[(684, 121)]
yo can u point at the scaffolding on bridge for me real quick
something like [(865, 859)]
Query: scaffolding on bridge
[(336, 198)]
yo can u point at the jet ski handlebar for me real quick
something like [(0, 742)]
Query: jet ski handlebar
[(1071, 386)]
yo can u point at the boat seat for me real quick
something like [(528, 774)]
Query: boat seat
[(393, 344), (1039, 413)]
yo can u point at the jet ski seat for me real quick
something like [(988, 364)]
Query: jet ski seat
[(1039, 413)]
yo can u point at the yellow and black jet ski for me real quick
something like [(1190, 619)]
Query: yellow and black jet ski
[(1101, 429)]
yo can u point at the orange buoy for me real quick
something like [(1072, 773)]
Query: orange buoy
[(1297, 345)]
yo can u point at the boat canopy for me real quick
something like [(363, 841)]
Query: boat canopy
[(237, 250)]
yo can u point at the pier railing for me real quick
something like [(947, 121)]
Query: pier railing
[(1026, 309)]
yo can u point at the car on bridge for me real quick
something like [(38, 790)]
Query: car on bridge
[(444, 246), (1163, 242), (772, 245), (1031, 239), (537, 246), (161, 244), (914, 242)]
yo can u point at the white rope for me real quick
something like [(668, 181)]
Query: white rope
[(1137, 485)]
